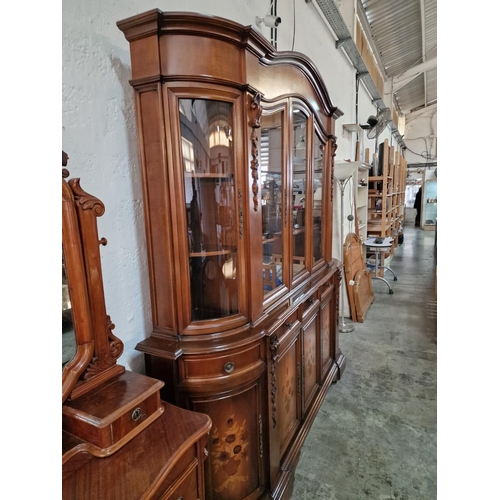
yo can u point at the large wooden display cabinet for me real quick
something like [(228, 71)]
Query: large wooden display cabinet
[(237, 145)]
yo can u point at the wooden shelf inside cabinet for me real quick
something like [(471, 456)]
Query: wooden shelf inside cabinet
[(207, 175), (270, 240), (210, 254)]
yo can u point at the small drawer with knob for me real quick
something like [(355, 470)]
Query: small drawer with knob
[(112, 414), (221, 364)]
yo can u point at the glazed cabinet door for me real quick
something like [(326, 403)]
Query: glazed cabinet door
[(300, 191), (273, 178), (209, 225), (235, 468), (192, 156)]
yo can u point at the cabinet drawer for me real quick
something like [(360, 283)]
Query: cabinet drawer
[(286, 332), (185, 489), (308, 307), (220, 364), (326, 289)]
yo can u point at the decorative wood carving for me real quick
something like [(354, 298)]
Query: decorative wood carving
[(363, 293), (274, 344), (334, 149), (94, 330), (240, 212), (256, 112)]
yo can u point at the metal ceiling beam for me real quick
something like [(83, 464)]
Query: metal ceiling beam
[(365, 24), (420, 112), (331, 15), (406, 77)]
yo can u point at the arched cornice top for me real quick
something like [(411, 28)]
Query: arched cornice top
[(157, 22)]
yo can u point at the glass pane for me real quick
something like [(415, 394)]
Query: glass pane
[(299, 189), (430, 203), (68, 329), (318, 149), (212, 222), (271, 161)]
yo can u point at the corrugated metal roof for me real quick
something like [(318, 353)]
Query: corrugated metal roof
[(405, 34)]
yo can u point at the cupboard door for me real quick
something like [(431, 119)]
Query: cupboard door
[(234, 466), (288, 393), (311, 379), (327, 333), (206, 128)]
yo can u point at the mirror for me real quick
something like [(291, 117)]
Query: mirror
[(91, 359), (68, 328)]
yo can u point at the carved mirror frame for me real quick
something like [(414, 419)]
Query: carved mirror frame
[(97, 349)]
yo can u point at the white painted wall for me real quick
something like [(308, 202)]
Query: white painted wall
[(421, 136), (99, 131)]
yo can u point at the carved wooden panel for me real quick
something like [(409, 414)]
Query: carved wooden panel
[(310, 358), (234, 444), (354, 264), (287, 395), (325, 321), (363, 294)]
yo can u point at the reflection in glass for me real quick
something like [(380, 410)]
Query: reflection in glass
[(212, 222), (68, 330), (271, 161), (318, 149), (299, 189)]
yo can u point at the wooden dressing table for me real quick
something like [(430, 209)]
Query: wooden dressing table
[(119, 439)]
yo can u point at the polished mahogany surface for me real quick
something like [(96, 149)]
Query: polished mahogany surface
[(168, 455)]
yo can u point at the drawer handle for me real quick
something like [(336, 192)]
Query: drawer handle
[(137, 414), (229, 367), (311, 301), (289, 324)]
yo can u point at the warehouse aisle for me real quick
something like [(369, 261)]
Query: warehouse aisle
[(375, 434)]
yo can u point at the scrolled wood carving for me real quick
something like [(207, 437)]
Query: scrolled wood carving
[(86, 200), (81, 246), (255, 114), (107, 358), (332, 180), (240, 212), (274, 344)]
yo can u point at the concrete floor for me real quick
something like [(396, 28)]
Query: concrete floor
[(375, 434)]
